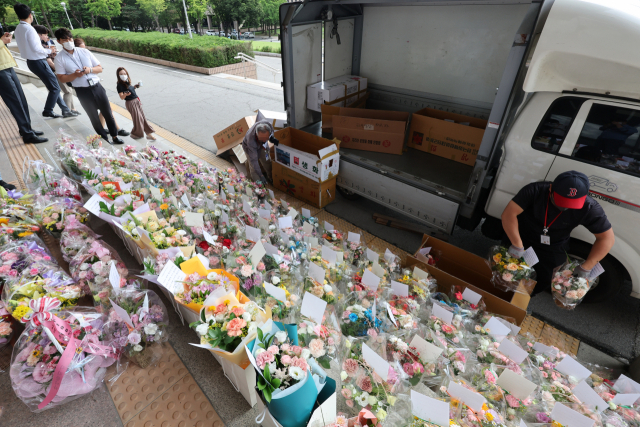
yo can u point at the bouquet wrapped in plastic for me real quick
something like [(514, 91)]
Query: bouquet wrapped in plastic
[(358, 318), (568, 290), (53, 213), (6, 331), (421, 284), (284, 302), (509, 273), (322, 339), (75, 237), (61, 355), (139, 325)]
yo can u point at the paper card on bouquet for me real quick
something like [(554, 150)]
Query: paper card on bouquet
[(145, 307), (285, 222), (429, 353), (306, 213), (530, 257), (208, 237), (284, 235), (142, 209), (441, 313), (93, 204), (246, 207), (284, 204), (370, 280), (253, 234), (399, 289), (225, 218), (420, 274), (429, 409), (372, 255), (264, 213), (339, 257), (329, 255), (170, 276), (377, 270), (391, 316), (263, 223), (389, 256), (569, 366), (313, 242), (471, 399), (194, 219), (185, 200), (497, 329), (223, 195), (379, 365), (549, 351), (512, 351), (313, 307), (155, 193), (268, 206), (353, 237), (425, 251), (514, 329), (328, 226), (626, 399), (589, 397), (273, 196), (276, 292), (471, 296), (316, 273), (570, 418), (307, 228), (596, 271), (292, 213), (122, 313), (256, 254), (516, 384), (625, 384), (114, 277), (245, 198), (214, 296), (230, 189), (271, 250)]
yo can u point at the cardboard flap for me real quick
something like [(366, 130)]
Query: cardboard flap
[(374, 114), (458, 118), (327, 151)]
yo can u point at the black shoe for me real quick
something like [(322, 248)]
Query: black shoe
[(123, 132), (69, 114), (116, 141), (52, 115), (7, 186), (34, 140), (38, 132), (78, 113)]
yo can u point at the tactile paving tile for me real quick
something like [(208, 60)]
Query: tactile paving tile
[(531, 325), (553, 337), (137, 388), (182, 405)]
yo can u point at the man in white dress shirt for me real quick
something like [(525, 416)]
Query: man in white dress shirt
[(36, 56), (80, 67)]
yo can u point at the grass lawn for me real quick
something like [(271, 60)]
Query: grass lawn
[(266, 46)]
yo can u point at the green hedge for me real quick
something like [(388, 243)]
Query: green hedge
[(200, 51)]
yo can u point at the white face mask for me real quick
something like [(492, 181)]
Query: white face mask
[(123, 77), (68, 45)]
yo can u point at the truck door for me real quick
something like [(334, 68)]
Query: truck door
[(604, 144)]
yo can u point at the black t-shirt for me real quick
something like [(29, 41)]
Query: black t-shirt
[(533, 199), (123, 88)]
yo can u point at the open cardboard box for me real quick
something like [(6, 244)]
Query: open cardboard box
[(233, 135), (328, 111), (459, 267)]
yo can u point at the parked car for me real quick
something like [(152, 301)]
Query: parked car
[(221, 34), (234, 34), (211, 33), (248, 35)]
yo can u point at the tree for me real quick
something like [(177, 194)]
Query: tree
[(105, 8), (153, 8), (228, 11), (197, 10), (269, 13)]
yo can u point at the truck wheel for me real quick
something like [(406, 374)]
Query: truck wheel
[(349, 195), (609, 283)]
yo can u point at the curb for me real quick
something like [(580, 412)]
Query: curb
[(258, 53)]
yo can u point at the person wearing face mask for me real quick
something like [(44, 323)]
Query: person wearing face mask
[(542, 216), (36, 56), (78, 42), (127, 92), (80, 67), (67, 95)]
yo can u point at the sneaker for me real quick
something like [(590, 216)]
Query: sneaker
[(123, 132), (78, 113), (51, 114), (7, 186), (116, 141)]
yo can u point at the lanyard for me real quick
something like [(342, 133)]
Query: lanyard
[(80, 67), (545, 230)]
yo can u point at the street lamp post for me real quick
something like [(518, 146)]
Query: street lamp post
[(187, 18), (64, 6)]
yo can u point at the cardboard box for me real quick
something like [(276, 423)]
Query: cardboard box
[(370, 130), (459, 267), (314, 157), (328, 111), (233, 135), (441, 133), (277, 120), (340, 91), (318, 194)]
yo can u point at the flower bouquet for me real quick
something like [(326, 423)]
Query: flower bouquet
[(75, 237), (197, 288), (334, 239), (486, 416), (322, 339), (568, 290), (143, 330), (403, 313), (5, 330), (17, 226), (509, 272), (354, 252), (321, 290), (52, 214), (357, 317), (446, 333), (289, 378), (282, 311), (45, 374), (407, 359)]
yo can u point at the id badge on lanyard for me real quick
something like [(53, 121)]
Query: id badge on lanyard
[(266, 150), (544, 239)]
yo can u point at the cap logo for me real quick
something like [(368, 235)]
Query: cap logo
[(572, 192)]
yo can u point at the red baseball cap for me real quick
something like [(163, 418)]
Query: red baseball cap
[(570, 190)]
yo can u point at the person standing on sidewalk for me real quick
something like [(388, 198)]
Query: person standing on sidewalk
[(80, 67), (12, 95), (67, 94), (36, 56), (127, 92)]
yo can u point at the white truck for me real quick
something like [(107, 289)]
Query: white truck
[(558, 82)]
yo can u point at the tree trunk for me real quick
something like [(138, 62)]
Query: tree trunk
[(46, 19), (157, 22), (92, 21), (110, 28)]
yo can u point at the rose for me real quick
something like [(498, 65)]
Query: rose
[(507, 277), (202, 329), (134, 338), (151, 329)]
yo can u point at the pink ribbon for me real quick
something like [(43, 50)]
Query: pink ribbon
[(41, 310), (99, 250)]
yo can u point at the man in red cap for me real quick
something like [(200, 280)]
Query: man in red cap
[(542, 216)]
